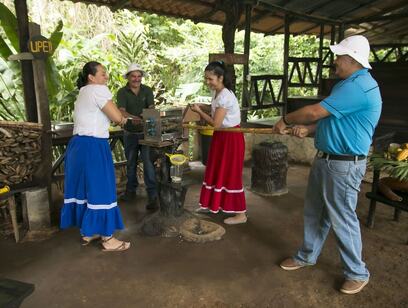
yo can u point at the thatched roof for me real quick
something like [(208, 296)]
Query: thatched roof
[(382, 21)]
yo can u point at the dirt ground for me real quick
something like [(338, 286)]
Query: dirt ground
[(241, 270)]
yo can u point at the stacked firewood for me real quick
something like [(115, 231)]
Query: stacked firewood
[(20, 151)]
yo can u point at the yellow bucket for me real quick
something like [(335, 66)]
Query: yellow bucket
[(207, 132), (177, 159)]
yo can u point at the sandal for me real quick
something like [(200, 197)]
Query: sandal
[(234, 221), (121, 247), (86, 240)]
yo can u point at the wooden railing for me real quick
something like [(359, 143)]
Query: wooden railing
[(393, 53), (302, 69), (269, 96)]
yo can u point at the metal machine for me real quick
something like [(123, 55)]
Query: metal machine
[(159, 126)]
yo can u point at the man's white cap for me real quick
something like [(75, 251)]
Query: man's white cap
[(355, 46), (134, 67)]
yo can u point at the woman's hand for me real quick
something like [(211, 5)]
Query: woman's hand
[(196, 108), (122, 122)]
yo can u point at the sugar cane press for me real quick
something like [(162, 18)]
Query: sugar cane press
[(163, 133)]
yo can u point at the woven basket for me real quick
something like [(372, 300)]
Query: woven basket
[(20, 151)]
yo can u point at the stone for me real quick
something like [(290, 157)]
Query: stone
[(36, 209)]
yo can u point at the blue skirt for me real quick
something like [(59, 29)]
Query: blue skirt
[(90, 188)]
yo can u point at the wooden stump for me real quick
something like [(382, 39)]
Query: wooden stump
[(171, 214), (269, 169)]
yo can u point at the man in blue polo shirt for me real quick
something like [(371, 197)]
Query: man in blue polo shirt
[(132, 99), (344, 124)]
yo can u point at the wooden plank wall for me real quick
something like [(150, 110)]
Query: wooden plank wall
[(393, 81), (392, 77)]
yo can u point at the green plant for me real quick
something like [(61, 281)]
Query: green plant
[(396, 169), (11, 97)]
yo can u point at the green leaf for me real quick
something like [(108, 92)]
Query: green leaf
[(52, 77), (9, 22), (5, 50), (397, 169), (56, 36)]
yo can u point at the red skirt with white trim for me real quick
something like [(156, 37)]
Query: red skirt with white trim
[(222, 187)]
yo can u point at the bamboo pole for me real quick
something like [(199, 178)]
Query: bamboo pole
[(235, 129)]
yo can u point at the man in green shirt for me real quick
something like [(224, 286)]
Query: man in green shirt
[(132, 99)]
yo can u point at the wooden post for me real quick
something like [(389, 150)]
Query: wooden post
[(341, 32), (26, 67), (43, 110), (233, 11), (320, 65), (332, 42), (285, 80), (247, 45)]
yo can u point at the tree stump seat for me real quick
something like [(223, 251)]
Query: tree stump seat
[(269, 169)]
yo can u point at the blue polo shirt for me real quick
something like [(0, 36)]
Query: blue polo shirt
[(355, 107)]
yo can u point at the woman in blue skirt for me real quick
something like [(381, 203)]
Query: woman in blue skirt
[(90, 188)]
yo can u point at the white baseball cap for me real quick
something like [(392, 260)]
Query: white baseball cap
[(355, 46), (134, 67)]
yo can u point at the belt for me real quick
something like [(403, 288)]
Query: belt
[(321, 154)]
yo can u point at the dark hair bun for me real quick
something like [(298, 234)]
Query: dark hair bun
[(81, 81)]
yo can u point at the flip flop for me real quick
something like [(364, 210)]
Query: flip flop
[(227, 221), (85, 242)]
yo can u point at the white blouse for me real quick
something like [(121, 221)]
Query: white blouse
[(227, 100), (89, 119)]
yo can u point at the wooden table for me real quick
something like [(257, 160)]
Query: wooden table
[(11, 203)]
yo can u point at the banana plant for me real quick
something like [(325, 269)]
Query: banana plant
[(11, 97)]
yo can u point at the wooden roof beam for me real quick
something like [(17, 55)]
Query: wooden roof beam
[(211, 12), (256, 18), (274, 30), (298, 15), (377, 18), (308, 29), (318, 6), (377, 28), (383, 11), (390, 32)]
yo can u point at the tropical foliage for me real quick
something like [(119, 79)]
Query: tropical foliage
[(396, 169), (172, 51)]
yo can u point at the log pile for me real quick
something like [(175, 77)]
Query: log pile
[(20, 151)]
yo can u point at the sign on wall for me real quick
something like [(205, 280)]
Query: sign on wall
[(40, 46), (229, 58)]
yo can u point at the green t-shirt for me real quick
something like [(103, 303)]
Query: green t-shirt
[(134, 104)]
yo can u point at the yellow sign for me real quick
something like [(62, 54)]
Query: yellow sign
[(40, 46)]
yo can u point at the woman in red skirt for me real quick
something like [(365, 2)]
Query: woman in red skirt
[(222, 187)]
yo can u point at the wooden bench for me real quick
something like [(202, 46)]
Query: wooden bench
[(380, 145), (375, 196)]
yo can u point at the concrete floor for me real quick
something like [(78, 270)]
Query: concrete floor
[(241, 270)]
